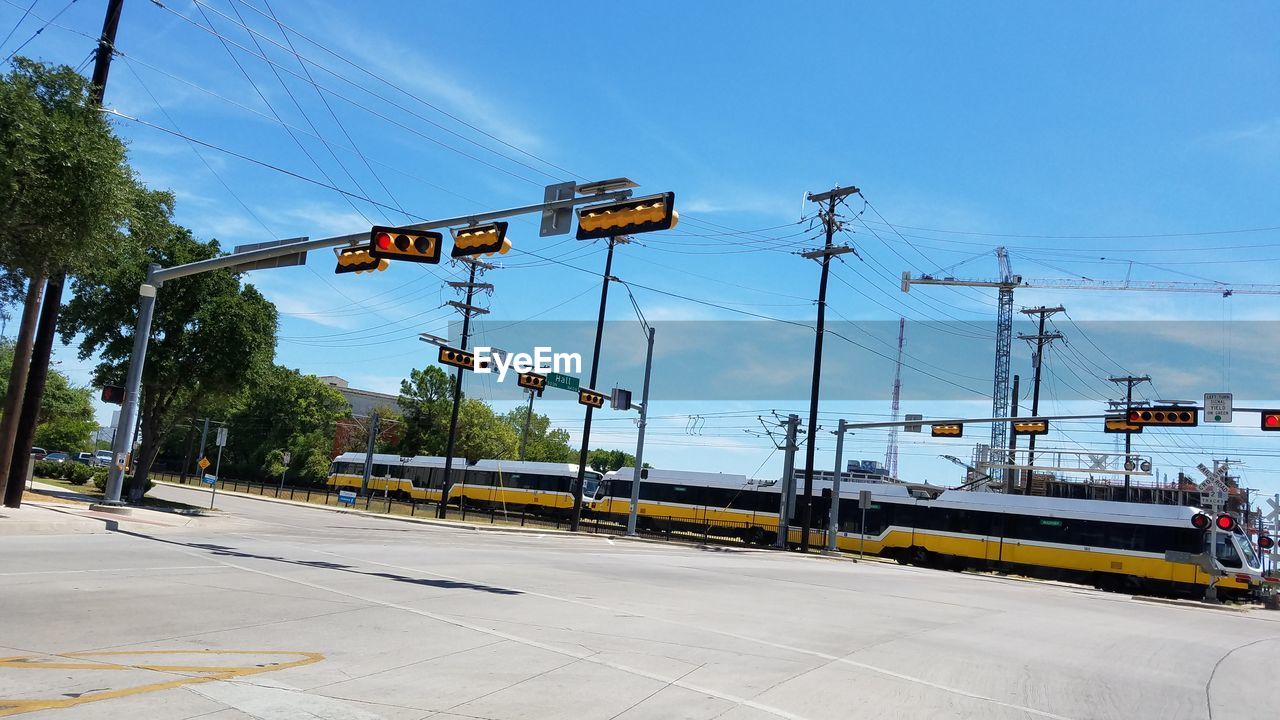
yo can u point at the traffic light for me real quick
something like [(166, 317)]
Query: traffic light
[(532, 381), (628, 217), (947, 430), (113, 394), (458, 358), (1271, 420), (591, 398), (1030, 427), (485, 239), (1265, 542), (391, 243), (1200, 521), (1119, 424), (1164, 416), (1225, 523), (357, 260)]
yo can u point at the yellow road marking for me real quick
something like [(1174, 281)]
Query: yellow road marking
[(9, 707)]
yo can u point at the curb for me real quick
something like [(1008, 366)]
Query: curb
[(1192, 604)]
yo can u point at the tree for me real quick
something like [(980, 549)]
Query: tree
[(281, 410), (482, 435), (543, 444), (602, 460), (66, 412), (208, 335), (426, 401), (390, 430)]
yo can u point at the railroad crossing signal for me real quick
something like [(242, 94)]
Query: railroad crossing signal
[(357, 260), (947, 430), (1265, 542), (532, 381), (591, 398), (1164, 416), (1030, 427), (485, 239), (1271, 420), (1119, 424), (390, 243), (457, 358), (628, 217)]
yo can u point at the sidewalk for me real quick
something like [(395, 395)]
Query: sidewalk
[(57, 511)]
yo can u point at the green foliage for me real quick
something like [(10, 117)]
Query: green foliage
[(73, 472), (78, 474), (100, 482), (602, 460), (482, 435), (64, 184), (543, 443), (390, 432), (426, 401), (281, 409), (66, 419), (208, 335)]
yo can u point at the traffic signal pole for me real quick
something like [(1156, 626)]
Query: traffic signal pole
[(644, 421), (1129, 382), (157, 276), (595, 368), (528, 417)]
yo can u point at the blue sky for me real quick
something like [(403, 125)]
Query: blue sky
[(1093, 140)]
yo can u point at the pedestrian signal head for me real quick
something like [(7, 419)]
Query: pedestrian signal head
[(414, 246), (628, 217), (485, 239)]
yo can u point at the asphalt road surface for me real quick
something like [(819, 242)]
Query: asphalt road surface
[(278, 612)]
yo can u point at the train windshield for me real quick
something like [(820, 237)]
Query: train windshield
[(590, 485), (1225, 551), (1246, 549)]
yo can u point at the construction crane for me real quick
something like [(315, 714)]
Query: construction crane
[(891, 452), (1008, 282)]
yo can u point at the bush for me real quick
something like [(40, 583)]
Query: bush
[(47, 469), (78, 474), (100, 481)]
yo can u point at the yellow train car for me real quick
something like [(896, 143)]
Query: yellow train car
[(1111, 545), (539, 488)]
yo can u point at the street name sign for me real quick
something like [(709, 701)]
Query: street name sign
[(563, 382)]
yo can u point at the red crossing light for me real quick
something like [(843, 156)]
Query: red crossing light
[(1226, 522), (1200, 521), (1265, 542)]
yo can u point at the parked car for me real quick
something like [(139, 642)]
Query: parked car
[(57, 457), (85, 457), (38, 453), (104, 457)]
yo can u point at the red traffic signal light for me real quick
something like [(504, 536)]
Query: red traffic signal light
[(391, 243), (113, 394), (1165, 416), (1271, 420), (484, 239), (1265, 542), (1226, 523), (1200, 521)]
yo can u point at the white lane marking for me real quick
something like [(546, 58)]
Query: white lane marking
[(582, 655), (111, 570)]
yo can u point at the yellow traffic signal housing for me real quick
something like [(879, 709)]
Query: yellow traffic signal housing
[(947, 430), (637, 215), (357, 260), (1120, 424), (1164, 416), (532, 381), (1030, 427), (457, 358), (414, 246), (484, 239), (591, 398)]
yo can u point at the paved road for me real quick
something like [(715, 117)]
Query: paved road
[(282, 612)]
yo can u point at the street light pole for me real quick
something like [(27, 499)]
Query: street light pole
[(644, 421)]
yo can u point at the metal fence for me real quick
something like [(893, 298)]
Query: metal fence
[(663, 527)]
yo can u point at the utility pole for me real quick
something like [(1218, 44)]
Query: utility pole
[(830, 223), (1042, 340), (644, 421), (528, 416), (368, 453), (595, 367), (1129, 382), (788, 482), (42, 348), (467, 310), (1009, 474)]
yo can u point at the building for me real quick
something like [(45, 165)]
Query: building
[(362, 401), (863, 471)]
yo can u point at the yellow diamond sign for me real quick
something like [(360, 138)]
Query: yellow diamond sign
[(204, 463)]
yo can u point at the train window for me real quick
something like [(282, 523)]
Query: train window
[(477, 477), (620, 488), (379, 471), (1224, 551)]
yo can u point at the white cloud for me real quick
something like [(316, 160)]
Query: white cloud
[(1261, 138)]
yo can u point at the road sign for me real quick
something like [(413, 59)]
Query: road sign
[(914, 427), (204, 463), (209, 480), (285, 458), (564, 382), (1217, 407), (347, 497), (222, 437), (1273, 514)]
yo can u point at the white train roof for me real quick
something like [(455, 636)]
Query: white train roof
[(506, 466), (1147, 513)]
